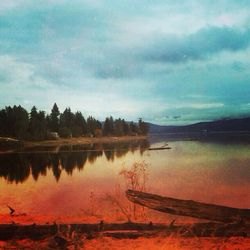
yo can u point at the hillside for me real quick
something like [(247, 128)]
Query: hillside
[(225, 125)]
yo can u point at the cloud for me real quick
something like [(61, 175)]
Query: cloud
[(24, 82), (188, 114), (18, 74), (197, 46), (127, 58), (204, 105), (20, 83)]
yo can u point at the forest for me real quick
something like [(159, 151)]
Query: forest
[(17, 122)]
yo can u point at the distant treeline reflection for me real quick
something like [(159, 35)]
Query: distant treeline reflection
[(17, 167)]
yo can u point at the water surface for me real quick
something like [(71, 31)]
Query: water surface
[(85, 182)]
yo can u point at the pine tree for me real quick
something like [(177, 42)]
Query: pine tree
[(106, 127), (80, 126), (37, 124), (54, 119), (142, 127), (126, 128), (66, 123), (14, 122), (3, 123), (21, 122), (118, 127), (133, 128)]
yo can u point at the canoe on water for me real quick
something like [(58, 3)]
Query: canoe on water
[(190, 208)]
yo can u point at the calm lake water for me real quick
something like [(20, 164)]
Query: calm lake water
[(87, 183)]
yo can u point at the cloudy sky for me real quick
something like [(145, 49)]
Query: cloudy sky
[(167, 61)]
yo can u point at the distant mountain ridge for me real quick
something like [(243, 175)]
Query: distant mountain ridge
[(225, 125)]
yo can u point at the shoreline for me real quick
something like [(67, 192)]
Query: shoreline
[(83, 140)]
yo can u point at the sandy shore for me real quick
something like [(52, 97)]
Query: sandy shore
[(82, 140)]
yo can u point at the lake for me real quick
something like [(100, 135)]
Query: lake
[(86, 183)]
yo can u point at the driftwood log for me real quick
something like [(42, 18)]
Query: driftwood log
[(159, 148), (9, 144), (190, 208), (122, 230)]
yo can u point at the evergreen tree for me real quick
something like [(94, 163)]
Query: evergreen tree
[(142, 127), (10, 121), (111, 122), (118, 127), (54, 119), (94, 127), (33, 122), (21, 122), (98, 124), (15, 121), (80, 126), (133, 128), (37, 124), (3, 123), (91, 125), (126, 128), (66, 123), (42, 125), (106, 127)]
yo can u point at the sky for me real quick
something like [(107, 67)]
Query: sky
[(167, 61)]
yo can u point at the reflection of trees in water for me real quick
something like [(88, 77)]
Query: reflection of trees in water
[(38, 163), (14, 168), (109, 151), (55, 164), (81, 158), (68, 162), (144, 146), (95, 152), (122, 149), (17, 167)]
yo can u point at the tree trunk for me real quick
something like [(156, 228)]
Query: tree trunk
[(190, 208), (123, 230)]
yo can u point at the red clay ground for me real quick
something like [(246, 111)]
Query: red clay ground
[(158, 243)]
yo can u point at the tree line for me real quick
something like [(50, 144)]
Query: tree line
[(17, 122)]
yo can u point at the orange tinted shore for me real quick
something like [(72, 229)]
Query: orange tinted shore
[(157, 243), (82, 140)]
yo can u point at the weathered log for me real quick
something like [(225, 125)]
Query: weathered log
[(159, 148), (190, 208), (9, 144), (15, 231), (193, 230), (123, 230)]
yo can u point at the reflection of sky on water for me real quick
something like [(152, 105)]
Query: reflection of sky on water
[(207, 172)]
